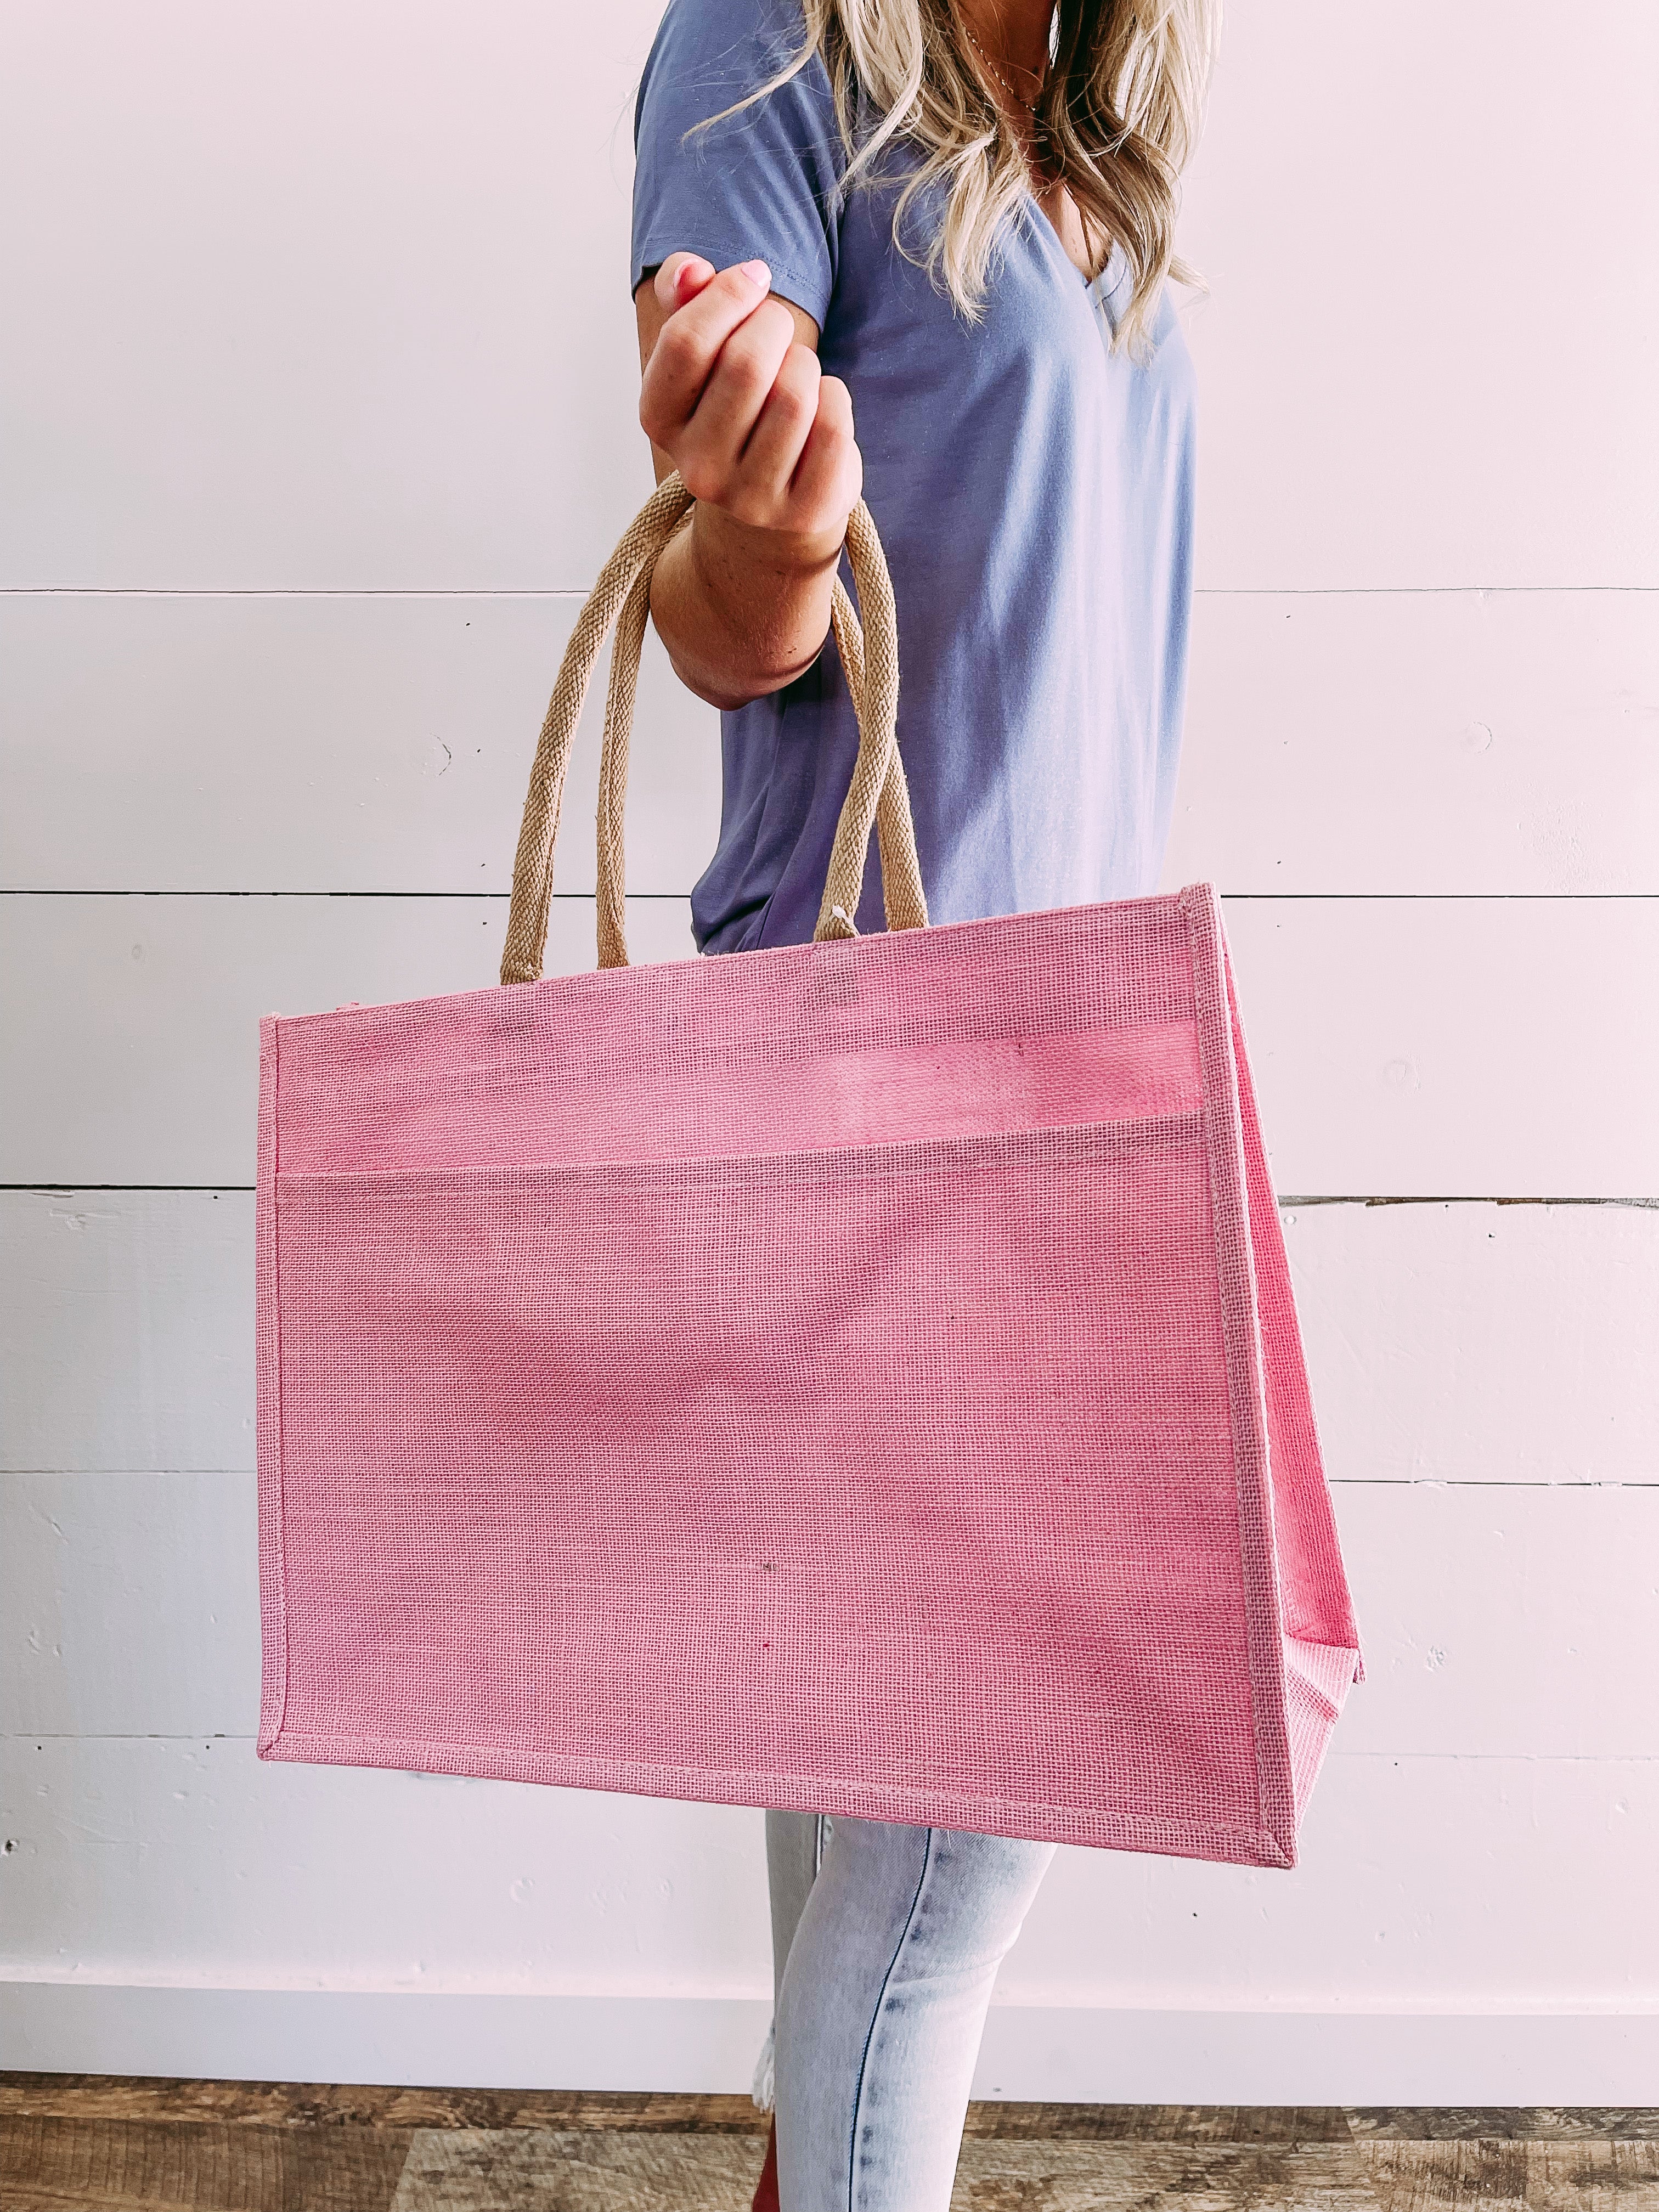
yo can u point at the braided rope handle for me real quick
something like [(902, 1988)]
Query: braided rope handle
[(879, 795)]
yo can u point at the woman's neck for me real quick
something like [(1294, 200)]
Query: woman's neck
[(1014, 33), (1012, 36)]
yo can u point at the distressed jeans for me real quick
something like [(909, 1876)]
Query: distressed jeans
[(885, 1942)]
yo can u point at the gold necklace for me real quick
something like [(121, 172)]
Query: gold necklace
[(1039, 128)]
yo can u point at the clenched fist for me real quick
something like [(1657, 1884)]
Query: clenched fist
[(738, 401)]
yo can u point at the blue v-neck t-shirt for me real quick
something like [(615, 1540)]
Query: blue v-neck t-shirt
[(1033, 490)]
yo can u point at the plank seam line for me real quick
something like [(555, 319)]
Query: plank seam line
[(1479, 1198), (1376, 1482)]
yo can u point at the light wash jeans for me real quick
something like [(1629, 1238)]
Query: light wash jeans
[(885, 1941)]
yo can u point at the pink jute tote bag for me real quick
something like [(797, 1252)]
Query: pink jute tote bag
[(858, 1376)]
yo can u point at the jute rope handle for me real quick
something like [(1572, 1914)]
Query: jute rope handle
[(878, 793), (903, 900)]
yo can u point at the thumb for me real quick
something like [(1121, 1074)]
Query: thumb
[(680, 279)]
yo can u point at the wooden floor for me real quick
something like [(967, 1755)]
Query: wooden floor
[(82, 2140)]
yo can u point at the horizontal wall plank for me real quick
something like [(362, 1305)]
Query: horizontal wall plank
[(341, 1876), (1453, 1878), (1498, 1622), (129, 1604), (1419, 1047), (336, 298), (126, 1328), (1481, 1343), (408, 359), (1457, 1047), (157, 1062), (1343, 742), (1424, 1881), (324, 743), (1468, 742), (1503, 1622), (1383, 397), (1460, 1343)]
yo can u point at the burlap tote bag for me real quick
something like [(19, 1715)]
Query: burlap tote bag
[(858, 1376)]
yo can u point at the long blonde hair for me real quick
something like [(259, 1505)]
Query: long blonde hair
[(1122, 107)]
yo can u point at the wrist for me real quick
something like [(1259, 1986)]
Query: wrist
[(743, 611), (734, 562)]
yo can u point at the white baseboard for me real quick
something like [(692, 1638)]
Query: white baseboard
[(695, 2045), (1092, 2055), (709, 2044)]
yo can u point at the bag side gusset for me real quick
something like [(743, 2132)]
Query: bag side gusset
[(1272, 1704), (268, 1419), (1317, 1608)]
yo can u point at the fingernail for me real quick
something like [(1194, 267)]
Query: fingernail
[(757, 273)]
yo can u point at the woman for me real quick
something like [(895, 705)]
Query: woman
[(917, 250)]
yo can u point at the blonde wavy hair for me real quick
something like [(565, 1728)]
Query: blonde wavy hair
[(1122, 107)]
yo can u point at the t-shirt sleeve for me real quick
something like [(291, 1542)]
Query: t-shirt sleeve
[(762, 184)]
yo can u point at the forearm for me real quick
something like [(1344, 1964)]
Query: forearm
[(741, 612)]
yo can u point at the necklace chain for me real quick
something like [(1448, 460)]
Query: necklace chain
[(1043, 144), (997, 69)]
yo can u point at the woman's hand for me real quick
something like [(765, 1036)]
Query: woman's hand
[(739, 404), (732, 396)]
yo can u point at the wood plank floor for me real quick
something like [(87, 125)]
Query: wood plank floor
[(79, 2141)]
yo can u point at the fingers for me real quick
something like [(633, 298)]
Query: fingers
[(713, 441), (779, 437), (690, 342), (829, 473), (741, 406)]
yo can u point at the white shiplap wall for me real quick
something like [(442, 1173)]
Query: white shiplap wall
[(319, 416)]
